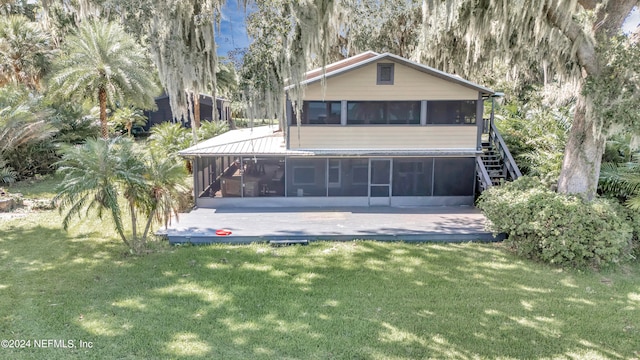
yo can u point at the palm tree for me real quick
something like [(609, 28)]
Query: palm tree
[(22, 122), (210, 129), (102, 172), (623, 181), (25, 51), (128, 118), (92, 173), (7, 174), (105, 64), (167, 193), (169, 138)]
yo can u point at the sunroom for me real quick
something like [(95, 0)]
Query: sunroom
[(253, 167)]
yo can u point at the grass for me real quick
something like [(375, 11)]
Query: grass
[(43, 187), (353, 300)]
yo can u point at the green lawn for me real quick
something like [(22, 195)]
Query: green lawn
[(355, 300)]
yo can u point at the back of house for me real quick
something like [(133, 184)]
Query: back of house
[(380, 130)]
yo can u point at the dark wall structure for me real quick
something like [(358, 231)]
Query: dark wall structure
[(206, 106)]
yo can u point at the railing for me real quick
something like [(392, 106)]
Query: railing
[(511, 168), (484, 181), (486, 125)]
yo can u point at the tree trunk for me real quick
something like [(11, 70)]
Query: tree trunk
[(582, 156), (196, 111), (102, 98)]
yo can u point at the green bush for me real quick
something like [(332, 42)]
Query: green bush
[(555, 228), (633, 218)]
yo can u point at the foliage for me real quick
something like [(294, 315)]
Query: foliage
[(633, 218), (26, 8), (622, 180), (181, 37), (25, 51), (226, 79), (556, 228), (126, 118), (289, 37), (103, 64), (568, 40), (74, 124), (22, 118), (382, 26), (98, 174), (536, 136), (33, 158), (209, 129), (616, 90), (169, 138), (23, 126), (7, 173)]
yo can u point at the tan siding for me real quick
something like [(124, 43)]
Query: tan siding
[(409, 84), (384, 137)]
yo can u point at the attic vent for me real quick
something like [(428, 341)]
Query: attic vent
[(385, 74)]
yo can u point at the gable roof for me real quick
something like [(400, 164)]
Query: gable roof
[(340, 64), (369, 57)]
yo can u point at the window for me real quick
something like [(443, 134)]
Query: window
[(320, 112), (459, 112), (385, 74), (383, 112)]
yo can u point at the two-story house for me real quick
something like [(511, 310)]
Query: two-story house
[(383, 131)]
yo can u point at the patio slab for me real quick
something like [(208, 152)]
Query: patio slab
[(247, 225)]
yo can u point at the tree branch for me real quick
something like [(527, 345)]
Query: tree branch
[(585, 49), (589, 4), (611, 16)]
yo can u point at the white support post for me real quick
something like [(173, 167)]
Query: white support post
[(423, 112)]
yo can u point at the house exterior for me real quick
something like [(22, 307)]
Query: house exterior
[(383, 131)]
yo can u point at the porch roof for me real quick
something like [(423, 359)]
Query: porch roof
[(267, 140), (262, 140)]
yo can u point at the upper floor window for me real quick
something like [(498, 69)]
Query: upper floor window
[(458, 112), (320, 112), (383, 112), (385, 74)]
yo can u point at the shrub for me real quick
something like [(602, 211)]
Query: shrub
[(555, 228), (633, 218)]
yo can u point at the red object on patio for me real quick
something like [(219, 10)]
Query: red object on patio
[(223, 232)]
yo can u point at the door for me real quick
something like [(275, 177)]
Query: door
[(380, 182)]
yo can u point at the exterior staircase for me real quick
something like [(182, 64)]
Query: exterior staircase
[(494, 165)]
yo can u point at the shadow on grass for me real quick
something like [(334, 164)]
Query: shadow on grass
[(327, 300)]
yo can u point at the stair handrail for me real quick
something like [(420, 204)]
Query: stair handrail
[(484, 180), (509, 162)]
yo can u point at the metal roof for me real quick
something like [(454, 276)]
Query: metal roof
[(263, 140), (266, 140)]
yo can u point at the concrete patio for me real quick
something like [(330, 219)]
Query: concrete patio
[(247, 225)]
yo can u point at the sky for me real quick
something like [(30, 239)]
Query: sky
[(632, 21), (233, 31)]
